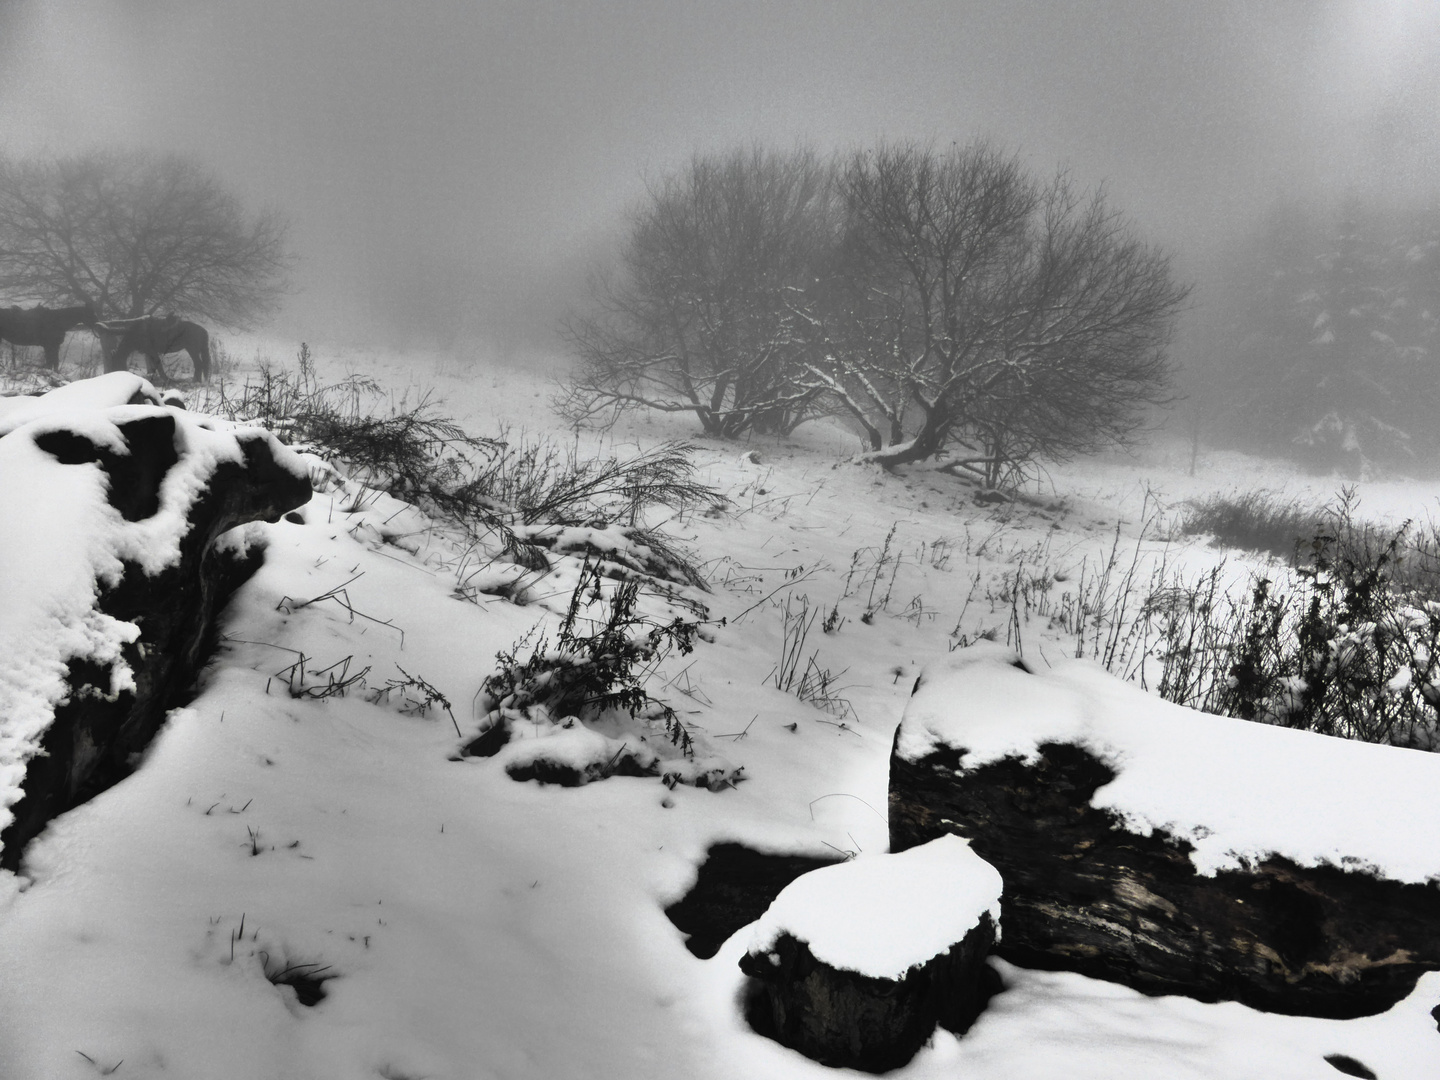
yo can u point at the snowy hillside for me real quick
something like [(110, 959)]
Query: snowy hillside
[(285, 839)]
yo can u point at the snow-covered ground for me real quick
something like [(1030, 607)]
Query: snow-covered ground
[(471, 926)]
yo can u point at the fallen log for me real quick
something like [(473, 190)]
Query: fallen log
[(109, 517), (1172, 851)]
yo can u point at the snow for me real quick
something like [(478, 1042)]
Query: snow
[(103, 391), (1238, 791), (881, 914), (54, 548), (478, 927)]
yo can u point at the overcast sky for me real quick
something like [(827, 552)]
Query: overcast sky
[(485, 147)]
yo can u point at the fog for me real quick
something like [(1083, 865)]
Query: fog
[(457, 164)]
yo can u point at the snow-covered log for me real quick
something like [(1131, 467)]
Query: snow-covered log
[(1173, 851), (855, 964), (110, 508)]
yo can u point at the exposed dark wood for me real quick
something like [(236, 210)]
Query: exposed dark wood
[(545, 770), (734, 886), (1084, 894), (1350, 1067), (847, 1020)]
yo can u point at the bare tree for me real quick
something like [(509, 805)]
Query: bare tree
[(134, 234), (926, 241), (699, 315), (977, 311)]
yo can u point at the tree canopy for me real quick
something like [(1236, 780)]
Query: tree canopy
[(134, 234), (944, 302), (698, 316)]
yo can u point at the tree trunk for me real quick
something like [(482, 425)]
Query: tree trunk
[(926, 444)]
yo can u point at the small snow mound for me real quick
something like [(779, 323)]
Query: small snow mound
[(881, 915), (571, 754)]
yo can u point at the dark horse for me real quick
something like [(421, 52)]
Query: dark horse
[(155, 336), (45, 327)]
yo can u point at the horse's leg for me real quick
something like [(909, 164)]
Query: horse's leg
[(157, 368)]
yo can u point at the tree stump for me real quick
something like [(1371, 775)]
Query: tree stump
[(854, 965)]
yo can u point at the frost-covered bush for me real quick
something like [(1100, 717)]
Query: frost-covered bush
[(1347, 645), (585, 676)]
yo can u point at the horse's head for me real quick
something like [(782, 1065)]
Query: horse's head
[(108, 334)]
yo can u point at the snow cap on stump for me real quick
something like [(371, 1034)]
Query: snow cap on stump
[(855, 964), (881, 915)]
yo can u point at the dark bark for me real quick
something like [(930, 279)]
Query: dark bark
[(734, 886), (548, 771), (848, 1020)]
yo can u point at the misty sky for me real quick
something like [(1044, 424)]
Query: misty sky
[(483, 151)]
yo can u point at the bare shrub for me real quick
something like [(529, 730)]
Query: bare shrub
[(698, 316), (1253, 520), (585, 675), (1349, 645), (410, 452), (977, 312), (536, 480), (136, 233)]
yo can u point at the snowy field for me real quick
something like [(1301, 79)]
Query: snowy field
[(471, 926)]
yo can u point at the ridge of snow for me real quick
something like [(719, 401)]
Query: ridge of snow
[(101, 392)]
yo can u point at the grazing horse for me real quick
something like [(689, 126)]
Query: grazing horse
[(45, 327), (155, 336)]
